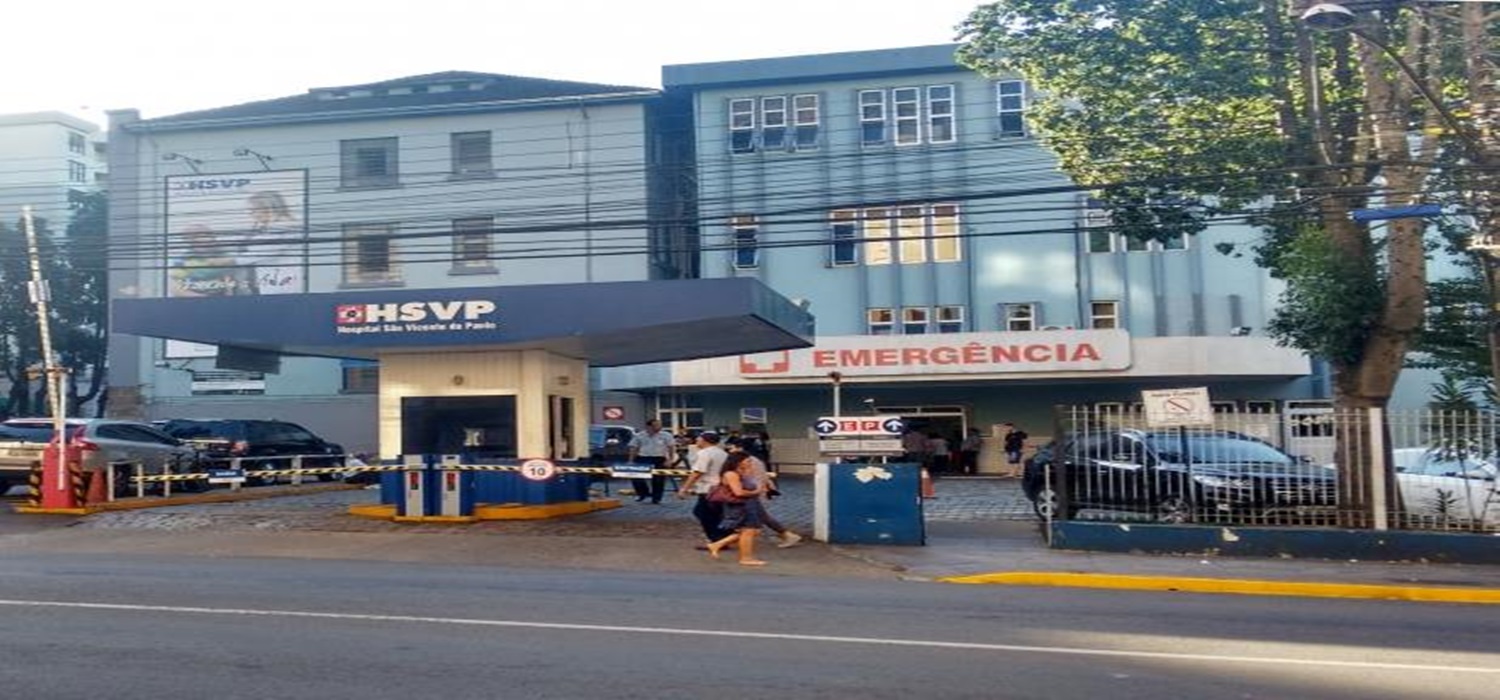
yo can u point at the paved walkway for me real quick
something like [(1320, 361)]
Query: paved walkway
[(976, 527)]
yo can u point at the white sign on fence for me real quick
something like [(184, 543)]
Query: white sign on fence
[(1170, 408)]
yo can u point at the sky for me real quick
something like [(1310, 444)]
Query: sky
[(168, 56)]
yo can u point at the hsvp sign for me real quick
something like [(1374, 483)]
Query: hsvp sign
[(415, 317)]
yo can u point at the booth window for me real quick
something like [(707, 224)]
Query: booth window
[(472, 154), (369, 255), (368, 162), (472, 244)]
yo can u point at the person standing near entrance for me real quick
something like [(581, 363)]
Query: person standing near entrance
[(1015, 443), (652, 446), (707, 464), (968, 452), (914, 445)]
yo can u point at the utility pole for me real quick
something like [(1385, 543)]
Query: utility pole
[(41, 295)]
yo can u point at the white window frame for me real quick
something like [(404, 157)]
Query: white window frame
[(1019, 317), (807, 115), (880, 321), (1010, 101), (911, 234), (872, 113), (950, 319), (876, 228), (773, 119), (945, 222), (916, 320), (77, 143), (906, 110), (1104, 314), (939, 110), (843, 232), (78, 172), (741, 115), (744, 240), (355, 239)]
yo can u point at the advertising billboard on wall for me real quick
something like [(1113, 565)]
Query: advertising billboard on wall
[(234, 234)]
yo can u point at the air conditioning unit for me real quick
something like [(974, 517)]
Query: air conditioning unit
[(1055, 328)]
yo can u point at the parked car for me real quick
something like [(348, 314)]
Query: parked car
[(1177, 477), (111, 444), (1442, 485), (610, 443), (263, 444)]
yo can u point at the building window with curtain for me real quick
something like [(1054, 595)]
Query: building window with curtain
[(914, 320), (745, 237), (950, 319), (369, 255), (880, 321), (1019, 317)]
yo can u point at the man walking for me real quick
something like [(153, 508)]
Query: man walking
[(652, 446), (704, 477), (1015, 443)]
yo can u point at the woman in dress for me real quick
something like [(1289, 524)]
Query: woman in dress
[(743, 516)]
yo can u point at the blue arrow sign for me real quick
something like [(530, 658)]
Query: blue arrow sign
[(825, 427), (894, 426)]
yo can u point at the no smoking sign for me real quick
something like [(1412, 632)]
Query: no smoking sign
[(1166, 408)]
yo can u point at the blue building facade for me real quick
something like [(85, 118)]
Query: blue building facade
[(956, 275)]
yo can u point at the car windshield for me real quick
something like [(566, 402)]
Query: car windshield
[(1216, 449), (278, 432), (28, 432)]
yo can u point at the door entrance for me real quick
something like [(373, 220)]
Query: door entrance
[(478, 427)]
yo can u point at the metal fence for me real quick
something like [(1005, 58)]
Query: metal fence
[(1362, 469)]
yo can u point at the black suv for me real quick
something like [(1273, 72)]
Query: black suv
[(1177, 477), (257, 441)]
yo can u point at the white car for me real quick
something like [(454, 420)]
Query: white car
[(1446, 487)]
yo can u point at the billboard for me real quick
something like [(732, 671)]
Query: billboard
[(232, 234)]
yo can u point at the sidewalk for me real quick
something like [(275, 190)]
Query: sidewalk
[(979, 531)]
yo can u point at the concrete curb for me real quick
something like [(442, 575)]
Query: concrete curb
[(1431, 594)]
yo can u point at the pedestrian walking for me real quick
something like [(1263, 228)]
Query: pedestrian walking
[(1015, 443), (743, 514), (655, 447), (937, 450), (708, 462), (914, 447), (760, 474), (968, 452)]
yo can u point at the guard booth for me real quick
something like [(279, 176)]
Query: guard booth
[(486, 373), (860, 495)]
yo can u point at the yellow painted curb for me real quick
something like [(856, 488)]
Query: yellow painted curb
[(438, 519), (518, 511), (1235, 586), (38, 510), (378, 511)]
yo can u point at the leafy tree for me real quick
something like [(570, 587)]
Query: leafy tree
[(1175, 111)]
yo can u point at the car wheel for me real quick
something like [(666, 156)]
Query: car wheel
[(1045, 505), (1174, 509)]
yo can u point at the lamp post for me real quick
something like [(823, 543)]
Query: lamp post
[(1477, 148)]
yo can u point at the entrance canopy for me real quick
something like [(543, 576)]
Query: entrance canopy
[(606, 323)]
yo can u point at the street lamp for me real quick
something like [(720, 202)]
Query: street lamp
[(1331, 17)]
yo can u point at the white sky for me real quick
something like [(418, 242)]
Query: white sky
[(169, 56)]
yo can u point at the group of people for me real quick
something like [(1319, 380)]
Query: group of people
[(960, 455), (730, 480)]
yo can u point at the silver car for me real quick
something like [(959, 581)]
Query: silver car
[(117, 444)]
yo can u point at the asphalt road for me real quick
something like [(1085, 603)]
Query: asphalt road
[(178, 626)]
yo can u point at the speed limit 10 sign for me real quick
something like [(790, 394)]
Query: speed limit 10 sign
[(538, 469)]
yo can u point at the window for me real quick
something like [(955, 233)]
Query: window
[(880, 321), (908, 117), (1010, 105), (472, 153), (472, 240), (361, 379), (872, 117), (744, 231), (1104, 314), (1176, 241), (77, 143), (77, 172), (912, 232), (1020, 317), (742, 126), (945, 240), (1134, 244), (368, 162), (773, 123), (877, 226), (914, 320), (843, 238), (950, 319), (940, 126), (805, 117), (369, 254), (1096, 224)]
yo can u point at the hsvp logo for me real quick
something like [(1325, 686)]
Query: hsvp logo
[(415, 317), (200, 184)]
